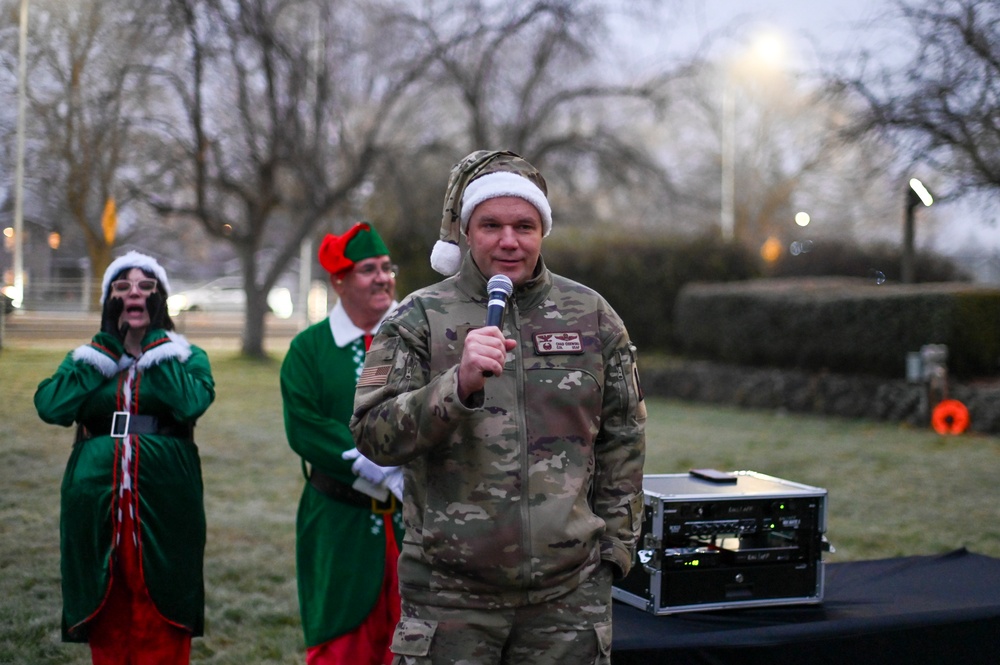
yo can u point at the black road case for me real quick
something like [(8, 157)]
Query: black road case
[(717, 540)]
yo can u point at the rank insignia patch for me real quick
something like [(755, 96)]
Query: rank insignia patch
[(558, 343)]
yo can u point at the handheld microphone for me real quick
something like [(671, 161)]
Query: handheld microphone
[(499, 288)]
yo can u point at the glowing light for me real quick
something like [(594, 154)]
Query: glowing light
[(280, 302), (918, 187), (768, 47), (316, 302), (770, 251), (802, 218)]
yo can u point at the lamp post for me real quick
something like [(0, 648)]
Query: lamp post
[(727, 221), (915, 195), (766, 54), (18, 296)]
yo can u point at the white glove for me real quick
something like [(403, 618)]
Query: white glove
[(394, 481), (377, 492), (364, 467)]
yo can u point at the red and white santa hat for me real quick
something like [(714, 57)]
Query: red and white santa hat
[(484, 175), (130, 260)]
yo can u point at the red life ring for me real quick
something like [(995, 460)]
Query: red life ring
[(950, 417)]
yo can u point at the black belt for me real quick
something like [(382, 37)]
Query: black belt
[(338, 491), (121, 424)]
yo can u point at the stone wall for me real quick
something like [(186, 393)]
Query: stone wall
[(819, 393)]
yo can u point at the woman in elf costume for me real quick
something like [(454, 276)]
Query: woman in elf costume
[(132, 526), (348, 520)]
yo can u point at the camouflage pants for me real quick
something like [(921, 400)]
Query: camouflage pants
[(575, 628)]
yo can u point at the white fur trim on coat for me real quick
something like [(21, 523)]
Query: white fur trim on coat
[(178, 347), (104, 363)]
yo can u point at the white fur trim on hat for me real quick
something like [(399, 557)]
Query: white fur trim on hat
[(134, 259), (504, 183)]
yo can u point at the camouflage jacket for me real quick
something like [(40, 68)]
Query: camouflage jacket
[(518, 498)]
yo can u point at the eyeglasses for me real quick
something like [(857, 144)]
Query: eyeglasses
[(145, 286), (369, 270)]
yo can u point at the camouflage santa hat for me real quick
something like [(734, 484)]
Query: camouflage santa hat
[(484, 175), (340, 253), (131, 260)]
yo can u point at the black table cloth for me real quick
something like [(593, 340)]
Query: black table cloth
[(909, 610)]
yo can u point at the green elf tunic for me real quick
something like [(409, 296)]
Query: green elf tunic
[(172, 381), (340, 548)]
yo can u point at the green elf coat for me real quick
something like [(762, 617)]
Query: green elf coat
[(340, 548), (172, 381)]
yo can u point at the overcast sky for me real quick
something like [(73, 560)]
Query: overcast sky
[(812, 30), (817, 34)]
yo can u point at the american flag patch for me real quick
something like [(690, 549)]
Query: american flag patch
[(374, 376)]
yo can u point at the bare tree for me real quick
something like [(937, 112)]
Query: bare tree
[(940, 104), (285, 108), (87, 96), (531, 76)]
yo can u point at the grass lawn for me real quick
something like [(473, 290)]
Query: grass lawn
[(893, 491)]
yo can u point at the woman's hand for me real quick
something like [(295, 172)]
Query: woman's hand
[(111, 317), (156, 307)]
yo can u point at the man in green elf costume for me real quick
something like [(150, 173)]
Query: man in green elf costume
[(348, 521)]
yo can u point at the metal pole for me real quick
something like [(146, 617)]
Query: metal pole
[(305, 279), (907, 271), (19, 172), (727, 220)]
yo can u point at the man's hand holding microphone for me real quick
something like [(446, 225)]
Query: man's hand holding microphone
[(486, 348)]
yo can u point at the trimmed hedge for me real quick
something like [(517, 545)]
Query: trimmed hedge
[(641, 276), (839, 324)]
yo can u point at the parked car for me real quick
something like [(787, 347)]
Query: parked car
[(226, 294)]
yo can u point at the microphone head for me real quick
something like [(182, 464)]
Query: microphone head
[(500, 283)]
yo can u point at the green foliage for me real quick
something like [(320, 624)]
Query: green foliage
[(976, 330), (640, 275), (839, 324), (838, 258)]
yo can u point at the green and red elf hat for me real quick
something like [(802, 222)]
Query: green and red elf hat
[(338, 254)]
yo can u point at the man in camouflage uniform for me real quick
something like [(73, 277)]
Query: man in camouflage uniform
[(522, 445)]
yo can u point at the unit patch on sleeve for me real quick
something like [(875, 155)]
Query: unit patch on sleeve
[(547, 344), (374, 376)]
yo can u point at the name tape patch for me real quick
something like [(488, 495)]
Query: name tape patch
[(374, 376), (558, 343)]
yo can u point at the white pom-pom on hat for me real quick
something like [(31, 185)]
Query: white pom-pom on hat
[(446, 257)]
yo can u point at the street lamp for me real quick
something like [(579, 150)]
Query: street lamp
[(915, 195), (765, 53)]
